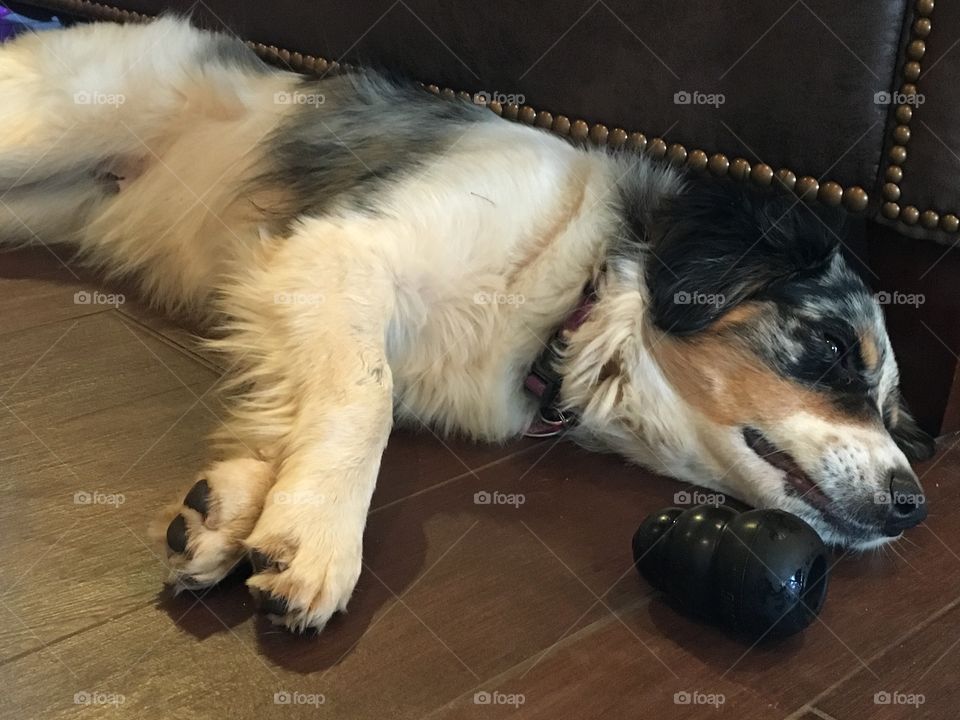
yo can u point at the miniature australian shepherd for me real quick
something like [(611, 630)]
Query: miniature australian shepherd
[(367, 253)]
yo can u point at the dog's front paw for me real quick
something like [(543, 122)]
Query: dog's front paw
[(305, 565), (203, 534)]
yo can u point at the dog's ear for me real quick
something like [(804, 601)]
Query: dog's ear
[(715, 245), (917, 444)]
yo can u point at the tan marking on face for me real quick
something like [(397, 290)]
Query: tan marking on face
[(571, 202), (869, 351), (718, 374), (739, 315)]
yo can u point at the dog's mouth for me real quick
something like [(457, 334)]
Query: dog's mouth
[(799, 481), (843, 529)]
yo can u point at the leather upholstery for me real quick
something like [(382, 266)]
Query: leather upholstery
[(794, 85)]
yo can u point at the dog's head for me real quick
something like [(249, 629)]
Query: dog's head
[(779, 355)]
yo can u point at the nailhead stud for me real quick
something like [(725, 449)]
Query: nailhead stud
[(599, 134), (898, 154), (719, 165), (618, 138), (697, 160), (677, 154), (637, 141), (786, 178), (929, 219), (579, 130), (855, 199), (657, 147), (830, 194), (950, 223), (807, 187), (739, 169), (761, 174), (544, 119)]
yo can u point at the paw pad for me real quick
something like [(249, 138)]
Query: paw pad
[(199, 497), (177, 534)]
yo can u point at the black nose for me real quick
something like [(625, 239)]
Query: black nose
[(907, 504)]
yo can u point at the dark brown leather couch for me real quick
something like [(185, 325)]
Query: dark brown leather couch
[(849, 102), (844, 102)]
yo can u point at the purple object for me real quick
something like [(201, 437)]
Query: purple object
[(11, 24)]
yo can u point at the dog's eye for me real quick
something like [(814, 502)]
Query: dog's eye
[(833, 346)]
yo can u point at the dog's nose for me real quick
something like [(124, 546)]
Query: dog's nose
[(908, 507)]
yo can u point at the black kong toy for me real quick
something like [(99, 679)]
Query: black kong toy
[(759, 572)]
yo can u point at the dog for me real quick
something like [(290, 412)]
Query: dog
[(366, 252)]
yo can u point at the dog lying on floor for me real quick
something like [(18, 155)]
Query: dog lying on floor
[(371, 253)]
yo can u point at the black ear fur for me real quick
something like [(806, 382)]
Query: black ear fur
[(717, 244), (916, 443)]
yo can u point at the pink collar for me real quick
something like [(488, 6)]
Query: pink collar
[(544, 380)]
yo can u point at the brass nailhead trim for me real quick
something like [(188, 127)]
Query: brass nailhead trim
[(897, 155), (762, 174), (929, 219), (854, 198), (890, 210), (739, 169)]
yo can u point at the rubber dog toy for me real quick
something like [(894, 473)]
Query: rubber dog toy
[(761, 572)]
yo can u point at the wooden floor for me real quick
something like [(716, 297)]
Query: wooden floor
[(103, 412)]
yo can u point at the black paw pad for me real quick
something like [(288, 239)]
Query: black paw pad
[(177, 534), (272, 604), (199, 497)]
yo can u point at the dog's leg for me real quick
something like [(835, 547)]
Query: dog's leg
[(307, 544), (308, 338)]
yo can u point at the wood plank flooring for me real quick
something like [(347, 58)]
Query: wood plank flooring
[(464, 610)]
